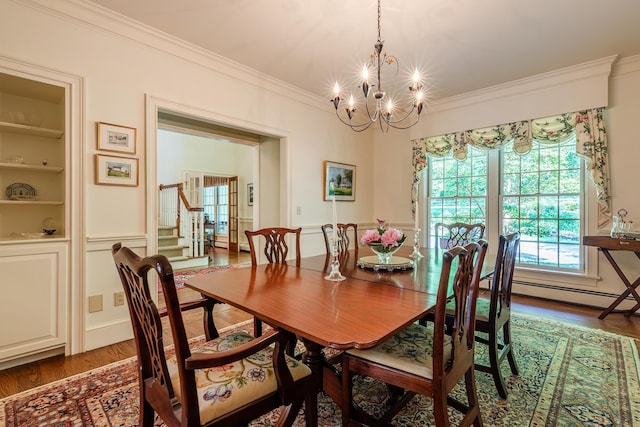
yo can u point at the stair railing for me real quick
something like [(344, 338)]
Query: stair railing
[(175, 211)]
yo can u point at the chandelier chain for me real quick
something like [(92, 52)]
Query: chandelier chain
[(379, 20)]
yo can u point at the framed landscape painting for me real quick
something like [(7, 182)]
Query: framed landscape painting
[(339, 181), (113, 170), (116, 138)]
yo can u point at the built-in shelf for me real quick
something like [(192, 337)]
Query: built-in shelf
[(18, 238), (32, 168), (31, 202), (30, 130)]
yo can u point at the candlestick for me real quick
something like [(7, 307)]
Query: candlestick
[(334, 274), (335, 219), (417, 216), (416, 255)]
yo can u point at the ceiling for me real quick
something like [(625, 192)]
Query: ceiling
[(459, 45)]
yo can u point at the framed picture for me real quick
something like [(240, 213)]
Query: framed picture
[(250, 194), (116, 138), (114, 170), (339, 181)]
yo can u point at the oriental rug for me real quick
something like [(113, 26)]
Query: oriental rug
[(181, 276), (569, 376)]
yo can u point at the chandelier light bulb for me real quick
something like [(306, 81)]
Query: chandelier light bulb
[(365, 74), (410, 104), (416, 80)]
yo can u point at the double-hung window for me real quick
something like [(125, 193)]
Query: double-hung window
[(539, 194)]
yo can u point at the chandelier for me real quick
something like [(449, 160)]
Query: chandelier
[(386, 113)]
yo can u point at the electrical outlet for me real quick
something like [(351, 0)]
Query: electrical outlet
[(299, 210), (95, 303), (118, 298)]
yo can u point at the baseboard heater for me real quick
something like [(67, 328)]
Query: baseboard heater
[(561, 288)]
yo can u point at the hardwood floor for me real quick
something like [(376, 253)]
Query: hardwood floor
[(34, 374)]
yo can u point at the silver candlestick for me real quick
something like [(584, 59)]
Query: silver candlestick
[(416, 246), (335, 274)]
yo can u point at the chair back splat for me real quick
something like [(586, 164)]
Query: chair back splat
[(457, 234), (174, 387), (424, 360), (344, 236), (275, 249)]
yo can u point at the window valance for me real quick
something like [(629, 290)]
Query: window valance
[(213, 181), (587, 126)]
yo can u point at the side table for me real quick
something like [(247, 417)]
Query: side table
[(606, 244)]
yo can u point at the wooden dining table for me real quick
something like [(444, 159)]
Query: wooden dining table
[(361, 311)]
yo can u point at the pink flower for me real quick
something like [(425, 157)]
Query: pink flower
[(370, 236), (391, 237)]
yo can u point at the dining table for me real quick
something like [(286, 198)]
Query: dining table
[(369, 306)]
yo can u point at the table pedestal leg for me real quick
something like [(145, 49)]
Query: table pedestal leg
[(329, 380)]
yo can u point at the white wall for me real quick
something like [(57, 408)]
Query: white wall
[(178, 152)]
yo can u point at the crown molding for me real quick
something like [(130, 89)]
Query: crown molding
[(592, 69), (117, 25)]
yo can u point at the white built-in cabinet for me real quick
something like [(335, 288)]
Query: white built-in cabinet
[(34, 187)]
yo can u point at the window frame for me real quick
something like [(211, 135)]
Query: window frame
[(495, 217)]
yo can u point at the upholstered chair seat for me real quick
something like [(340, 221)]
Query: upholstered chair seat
[(226, 388), (410, 350)]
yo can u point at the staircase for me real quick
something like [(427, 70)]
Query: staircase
[(170, 245)]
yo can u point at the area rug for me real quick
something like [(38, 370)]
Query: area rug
[(181, 276), (569, 376)]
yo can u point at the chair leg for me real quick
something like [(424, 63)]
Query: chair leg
[(147, 414), (311, 409), (440, 409), (347, 392), (494, 363), (507, 342), (257, 327), (473, 412)]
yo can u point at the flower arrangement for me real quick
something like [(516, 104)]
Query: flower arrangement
[(384, 238)]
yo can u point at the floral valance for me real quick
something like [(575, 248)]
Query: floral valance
[(587, 126)]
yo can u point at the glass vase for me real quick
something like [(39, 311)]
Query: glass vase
[(384, 254)]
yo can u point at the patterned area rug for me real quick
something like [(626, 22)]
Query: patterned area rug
[(569, 376), (181, 276)]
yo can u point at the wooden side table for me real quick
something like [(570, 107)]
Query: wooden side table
[(606, 244)]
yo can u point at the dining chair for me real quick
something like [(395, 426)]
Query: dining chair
[(229, 381), (344, 241), (493, 315), (276, 250), (457, 234), (424, 360)]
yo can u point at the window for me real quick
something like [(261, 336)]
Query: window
[(458, 190), (541, 197), (216, 207), (539, 194)]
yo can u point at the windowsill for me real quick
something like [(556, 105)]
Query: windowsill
[(557, 278)]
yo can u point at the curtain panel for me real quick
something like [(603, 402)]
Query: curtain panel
[(587, 126)]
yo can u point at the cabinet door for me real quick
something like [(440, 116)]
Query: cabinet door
[(34, 293)]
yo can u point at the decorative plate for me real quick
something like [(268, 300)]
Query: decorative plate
[(20, 189), (397, 263)]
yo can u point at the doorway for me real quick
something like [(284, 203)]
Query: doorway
[(220, 151)]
